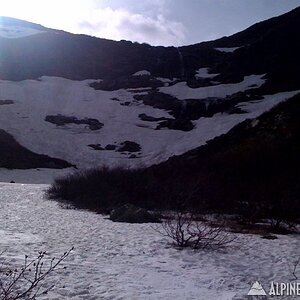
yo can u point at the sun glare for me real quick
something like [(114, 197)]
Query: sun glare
[(52, 13), (18, 9)]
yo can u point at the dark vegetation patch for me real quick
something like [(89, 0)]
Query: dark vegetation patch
[(6, 102), (126, 146), (61, 120), (110, 147), (101, 189), (176, 124), (129, 146), (126, 103), (253, 170), (15, 156), (132, 214), (161, 101)]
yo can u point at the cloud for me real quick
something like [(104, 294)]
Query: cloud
[(121, 24)]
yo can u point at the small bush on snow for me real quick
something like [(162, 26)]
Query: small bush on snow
[(187, 230)]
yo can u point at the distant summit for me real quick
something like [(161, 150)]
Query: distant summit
[(11, 28), (9, 22)]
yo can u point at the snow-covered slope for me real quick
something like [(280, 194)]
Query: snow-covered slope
[(182, 91), (13, 32), (36, 106), (11, 28), (132, 261)]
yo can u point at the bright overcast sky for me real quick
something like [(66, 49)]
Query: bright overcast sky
[(158, 22)]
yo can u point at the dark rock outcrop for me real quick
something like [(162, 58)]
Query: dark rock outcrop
[(15, 156), (6, 102), (129, 146), (61, 120), (132, 214)]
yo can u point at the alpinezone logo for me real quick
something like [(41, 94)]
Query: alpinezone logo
[(275, 289), (257, 290)]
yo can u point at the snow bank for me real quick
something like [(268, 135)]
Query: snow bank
[(227, 49), (203, 73), (141, 73)]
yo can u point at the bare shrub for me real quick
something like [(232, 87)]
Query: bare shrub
[(188, 230), (296, 266), (26, 282)]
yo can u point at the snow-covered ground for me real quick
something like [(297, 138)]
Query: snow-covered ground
[(14, 32), (132, 261), (32, 100)]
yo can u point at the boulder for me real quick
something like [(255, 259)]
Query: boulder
[(269, 237), (129, 213)]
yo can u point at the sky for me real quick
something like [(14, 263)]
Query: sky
[(157, 22)]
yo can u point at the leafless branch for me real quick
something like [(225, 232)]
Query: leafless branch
[(25, 283)]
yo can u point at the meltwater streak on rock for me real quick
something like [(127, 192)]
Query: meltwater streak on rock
[(181, 63)]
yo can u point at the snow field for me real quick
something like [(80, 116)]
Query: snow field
[(35, 99)]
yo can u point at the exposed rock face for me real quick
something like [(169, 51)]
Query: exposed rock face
[(61, 120), (185, 111), (96, 147), (132, 214), (130, 82)]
